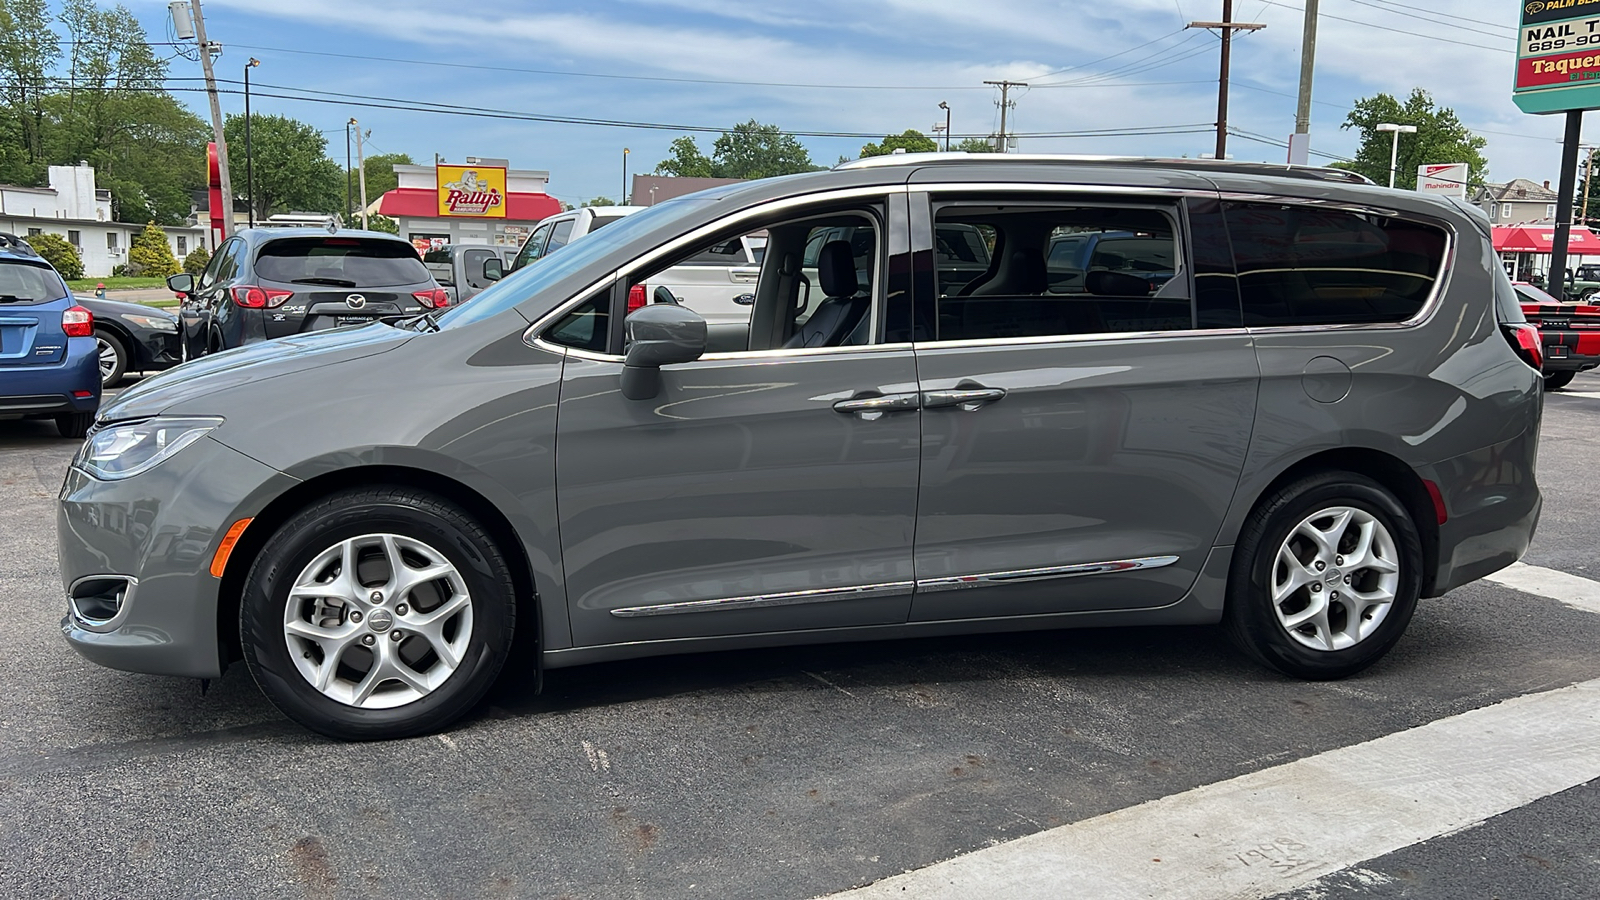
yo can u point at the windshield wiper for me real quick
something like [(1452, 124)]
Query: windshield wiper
[(13, 298), (335, 282), (423, 322)]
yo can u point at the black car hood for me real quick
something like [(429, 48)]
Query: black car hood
[(210, 375), (102, 307)]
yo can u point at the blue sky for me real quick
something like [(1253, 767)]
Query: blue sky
[(902, 58)]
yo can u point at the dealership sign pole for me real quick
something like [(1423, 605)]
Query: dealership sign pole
[(1558, 70)]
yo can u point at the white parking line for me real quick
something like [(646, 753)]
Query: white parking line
[(1589, 395), (1282, 828), (1580, 593)]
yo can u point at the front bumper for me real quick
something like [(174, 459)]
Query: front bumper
[(155, 533)]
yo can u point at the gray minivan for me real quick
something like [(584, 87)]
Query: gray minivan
[(1329, 410)]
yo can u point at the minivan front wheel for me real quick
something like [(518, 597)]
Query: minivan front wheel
[(1326, 576), (377, 613)]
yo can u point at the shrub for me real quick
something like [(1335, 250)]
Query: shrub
[(61, 254), (151, 253), (197, 260)]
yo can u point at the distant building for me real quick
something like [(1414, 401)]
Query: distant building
[(75, 209), (1517, 202), (649, 190), (481, 201)]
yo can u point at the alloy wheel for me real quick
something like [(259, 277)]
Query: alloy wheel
[(1334, 578)]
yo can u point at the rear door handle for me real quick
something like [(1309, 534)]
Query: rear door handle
[(873, 408), (968, 399)]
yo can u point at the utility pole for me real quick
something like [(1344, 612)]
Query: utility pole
[(1588, 173), (349, 174), (361, 170), (216, 118), (1300, 143), (1005, 88), (1227, 27)]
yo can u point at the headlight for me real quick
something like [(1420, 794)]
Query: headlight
[(154, 323), (123, 451)]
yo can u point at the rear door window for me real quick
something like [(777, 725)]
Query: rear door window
[(340, 262), (1306, 265), (560, 236)]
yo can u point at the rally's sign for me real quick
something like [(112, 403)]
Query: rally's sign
[(1558, 56), (1445, 179), (474, 191)]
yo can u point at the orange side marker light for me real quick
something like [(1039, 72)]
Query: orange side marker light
[(219, 562)]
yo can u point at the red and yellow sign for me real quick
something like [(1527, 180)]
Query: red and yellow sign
[(472, 191)]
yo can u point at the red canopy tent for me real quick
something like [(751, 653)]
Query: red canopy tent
[(1538, 238)]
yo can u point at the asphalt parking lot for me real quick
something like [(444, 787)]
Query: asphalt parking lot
[(788, 773)]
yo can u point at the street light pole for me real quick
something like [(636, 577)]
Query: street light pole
[(249, 162), (223, 175), (624, 200), (946, 107), (1394, 146), (361, 171)]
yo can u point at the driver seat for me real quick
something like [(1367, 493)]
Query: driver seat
[(842, 311)]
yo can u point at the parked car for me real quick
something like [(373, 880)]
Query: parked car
[(1329, 411), (133, 337), (1568, 332), (554, 232), (48, 359), (273, 282), (464, 269)]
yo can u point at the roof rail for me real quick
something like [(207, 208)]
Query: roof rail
[(1282, 170), (12, 242)]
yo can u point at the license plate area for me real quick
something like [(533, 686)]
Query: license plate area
[(1555, 351)]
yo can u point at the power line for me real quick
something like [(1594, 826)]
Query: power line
[(1501, 33), (1431, 37), (1408, 10), (1112, 56)]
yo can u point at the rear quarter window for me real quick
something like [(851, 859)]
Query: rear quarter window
[(1304, 265), (340, 262)]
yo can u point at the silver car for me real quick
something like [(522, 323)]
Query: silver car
[(1325, 408)]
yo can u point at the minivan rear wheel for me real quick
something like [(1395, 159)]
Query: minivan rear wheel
[(1555, 381), (377, 613), (1325, 578)]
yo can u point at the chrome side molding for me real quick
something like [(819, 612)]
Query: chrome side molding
[(959, 582), (759, 601)]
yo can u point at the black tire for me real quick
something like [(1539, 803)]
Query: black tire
[(1250, 617), (74, 425), (1555, 381), (408, 513), (120, 350)]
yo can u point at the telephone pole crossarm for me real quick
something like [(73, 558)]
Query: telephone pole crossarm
[(1005, 89), (1227, 27)]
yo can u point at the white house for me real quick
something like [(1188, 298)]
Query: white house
[(75, 209)]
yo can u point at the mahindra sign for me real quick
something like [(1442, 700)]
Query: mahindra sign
[(1449, 179)]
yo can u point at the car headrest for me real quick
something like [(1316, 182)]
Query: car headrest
[(1028, 273), (836, 269), (1115, 284)]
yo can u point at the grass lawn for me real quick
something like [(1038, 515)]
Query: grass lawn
[(116, 284)]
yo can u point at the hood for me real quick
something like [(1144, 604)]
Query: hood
[(122, 307), (210, 375)]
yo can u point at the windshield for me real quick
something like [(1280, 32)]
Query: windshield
[(530, 280), (27, 283), (341, 262)]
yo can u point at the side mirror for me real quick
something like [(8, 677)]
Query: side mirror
[(659, 335), (663, 295), (492, 270), (181, 283)]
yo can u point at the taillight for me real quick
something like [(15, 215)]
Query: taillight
[(636, 298), (1524, 339), (438, 298), (77, 322), (252, 297)]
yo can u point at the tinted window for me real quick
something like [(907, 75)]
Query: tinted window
[(560, 236), (22, 283), (1311, 266), (1059, 271), (585, 327), (533, 248), (340, 262), (600, 222)]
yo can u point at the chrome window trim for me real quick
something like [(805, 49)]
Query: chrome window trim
[(775, 354), (533, 332), (988, 579), (1096, 337), (759, 601), (102, 626), (1167, 193), (1441, 278)]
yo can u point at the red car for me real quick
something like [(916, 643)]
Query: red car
[(1570, 333)]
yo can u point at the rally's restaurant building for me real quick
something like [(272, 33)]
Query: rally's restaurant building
[(481, 201)]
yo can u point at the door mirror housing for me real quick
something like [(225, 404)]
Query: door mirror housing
[(492, 270), (181, 283), (659, 335)]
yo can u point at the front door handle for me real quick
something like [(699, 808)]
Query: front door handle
[(873, 408), (968, 399)]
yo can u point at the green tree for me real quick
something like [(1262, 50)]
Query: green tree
[(749, 150), (1440, 138), (974, 145), (601, 201), (62, 255), (382, 223), (381, 177), (292, 170), (910, 140), (151, 253), (27, 54), (197, 260)]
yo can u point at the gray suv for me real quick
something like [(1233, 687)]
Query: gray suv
[(1324, 410)]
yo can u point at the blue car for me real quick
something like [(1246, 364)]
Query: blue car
[(49, 361)]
